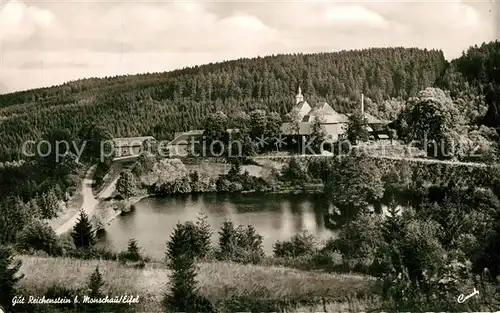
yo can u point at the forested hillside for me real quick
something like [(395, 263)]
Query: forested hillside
[(478, 70), (163, 103)]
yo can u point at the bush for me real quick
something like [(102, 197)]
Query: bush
[(235, 187), (57, 291), (126, 184), (38, 235), (192, 239), (240, 244), (132, 253), (94, 253), (223, 185), (299, 245), (295, 172)]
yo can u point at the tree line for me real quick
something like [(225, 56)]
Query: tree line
[(164, 103)]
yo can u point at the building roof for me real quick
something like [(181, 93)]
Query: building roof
[(130, 141), (372, 119), (324, 107), (186, 137), (329, 115), (299, 106), (331, 118), (304, 129)]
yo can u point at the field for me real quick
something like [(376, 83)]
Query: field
[(214, 169), (217, 280)]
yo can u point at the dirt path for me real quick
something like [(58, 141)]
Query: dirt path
[(90, 202)]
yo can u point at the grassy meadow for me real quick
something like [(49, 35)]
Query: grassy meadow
[(218, 281)]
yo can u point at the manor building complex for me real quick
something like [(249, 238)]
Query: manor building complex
[(334, 123)]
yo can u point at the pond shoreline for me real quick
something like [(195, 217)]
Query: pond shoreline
[(277, 215), (129, 202)]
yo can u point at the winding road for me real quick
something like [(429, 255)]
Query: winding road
[(90, 202)]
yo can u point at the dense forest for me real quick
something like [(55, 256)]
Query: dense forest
[(163, 103)]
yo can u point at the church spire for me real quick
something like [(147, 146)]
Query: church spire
[(299, 97)]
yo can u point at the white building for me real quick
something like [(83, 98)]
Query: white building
[(335, 123)]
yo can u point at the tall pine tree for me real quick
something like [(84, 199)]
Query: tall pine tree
[(184, 294), (95, 283), (83, 233), (204, 235), (227, 239), (94, 286)]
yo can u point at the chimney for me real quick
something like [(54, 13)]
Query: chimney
[(363, 104)]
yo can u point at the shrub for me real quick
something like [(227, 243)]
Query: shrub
[(223, 185), (38, 235), (126, 184), (235, 171), (93, 253), (299, 245), (57, 291), (192, 239), (235, 187), (295, 172), (240, 244), (132, 253), (359, 241)]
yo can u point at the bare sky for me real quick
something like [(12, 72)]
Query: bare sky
[(48, 42)]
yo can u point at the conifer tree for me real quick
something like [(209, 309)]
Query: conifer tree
[(94, 286), (8, 277), (227, 239), (83, 233), (254, 241), (95, 283), (133, 251), (204, 234), (183, 295)]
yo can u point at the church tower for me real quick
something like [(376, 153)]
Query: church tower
[(299, 97)]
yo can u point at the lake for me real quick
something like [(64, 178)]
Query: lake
[(275, 216)]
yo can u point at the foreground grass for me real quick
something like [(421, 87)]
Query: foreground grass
[(218, 281)]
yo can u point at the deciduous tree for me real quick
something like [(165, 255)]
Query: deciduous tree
[(126, 184), (357, 128)]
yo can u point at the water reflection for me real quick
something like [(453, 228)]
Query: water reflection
[(276, 217)]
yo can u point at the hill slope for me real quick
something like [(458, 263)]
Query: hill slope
[(218, 281), (479, 69), (163, 103)]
